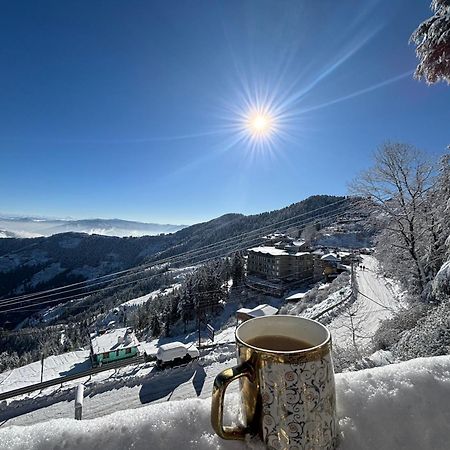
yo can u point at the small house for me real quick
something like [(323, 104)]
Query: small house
[(244, 314), (113, 345)]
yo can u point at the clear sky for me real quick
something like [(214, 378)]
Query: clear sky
[(132, 109)]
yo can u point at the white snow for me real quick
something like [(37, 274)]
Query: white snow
[(269, 251), (135, 386), (294, 297), (117, 339), (332, 300), (139, 301), (103, 268), (46, 274), (375, 302), (259, 311), (401, 406), (442, 279), (172, 350), (54, 367), (324, 286), (330, 257)]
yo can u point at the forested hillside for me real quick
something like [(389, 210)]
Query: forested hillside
[(28, 265)]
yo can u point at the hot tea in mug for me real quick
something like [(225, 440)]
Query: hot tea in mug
[(287, 384)]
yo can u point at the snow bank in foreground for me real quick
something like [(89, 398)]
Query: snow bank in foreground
[(402, 406)]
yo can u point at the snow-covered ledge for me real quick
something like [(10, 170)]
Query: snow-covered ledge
[(402, 406)]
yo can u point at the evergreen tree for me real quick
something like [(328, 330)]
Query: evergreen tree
[(155, 326), (237, 269)]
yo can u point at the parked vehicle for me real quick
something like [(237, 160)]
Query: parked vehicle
[(175, 354)]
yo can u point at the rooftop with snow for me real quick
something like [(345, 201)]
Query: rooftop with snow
[(116, 339)]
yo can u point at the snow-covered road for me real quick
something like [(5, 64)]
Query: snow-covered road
[(375, 302)]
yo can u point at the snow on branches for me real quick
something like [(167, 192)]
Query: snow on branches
[(432, 39)]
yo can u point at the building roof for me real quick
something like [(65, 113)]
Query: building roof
[(118, 339), (259, 311), (330, 257), (269, 251), (297, 296)]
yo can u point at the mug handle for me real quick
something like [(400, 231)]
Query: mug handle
[(217, 402)]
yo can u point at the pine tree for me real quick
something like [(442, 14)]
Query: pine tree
[(237, 269), (155, 326)]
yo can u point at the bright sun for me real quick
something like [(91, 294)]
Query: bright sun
[(260, 124)]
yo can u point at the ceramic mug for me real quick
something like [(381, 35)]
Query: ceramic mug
[(288, 397)]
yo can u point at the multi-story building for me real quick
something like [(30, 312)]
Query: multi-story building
[(284, 260), (268, 261)]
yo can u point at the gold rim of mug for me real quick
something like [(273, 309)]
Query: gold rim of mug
[(309, 354)]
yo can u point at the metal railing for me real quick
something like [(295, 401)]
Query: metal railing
[(55, 381)]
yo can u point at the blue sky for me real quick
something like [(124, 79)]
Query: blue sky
[(132, 109)]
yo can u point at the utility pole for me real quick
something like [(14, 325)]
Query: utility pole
[(352, 276), (352, 314), (199, 324), (42, 367)]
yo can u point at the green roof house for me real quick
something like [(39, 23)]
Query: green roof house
[(113, 345)]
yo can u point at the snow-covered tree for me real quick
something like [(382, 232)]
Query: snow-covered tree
[(429, 337), (432, 39), (309, 233), (237, 269), (155, 326), (436, 221), (396, 189)]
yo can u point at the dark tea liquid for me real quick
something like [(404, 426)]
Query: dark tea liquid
[(279, 343)]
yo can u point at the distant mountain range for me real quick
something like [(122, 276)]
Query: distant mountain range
[(27, 227)]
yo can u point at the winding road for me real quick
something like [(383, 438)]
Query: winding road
[(375, 302)]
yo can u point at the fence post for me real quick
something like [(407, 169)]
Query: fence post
[(79, 401)]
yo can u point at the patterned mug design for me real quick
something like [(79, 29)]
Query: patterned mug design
[(299, 400), (288, 398)]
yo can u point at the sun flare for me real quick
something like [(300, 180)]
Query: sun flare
[(260, 124)]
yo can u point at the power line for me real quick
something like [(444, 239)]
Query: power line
[(181, 258), (374, 301), (168, 259), (80, 296)]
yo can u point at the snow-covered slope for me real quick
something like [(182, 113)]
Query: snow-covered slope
[(54, 367), (402, 406)]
